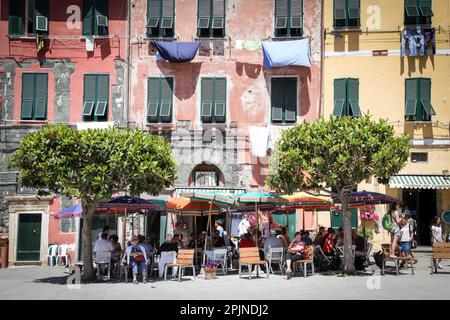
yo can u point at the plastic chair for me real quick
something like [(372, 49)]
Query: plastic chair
[(103, 259), (220, 255), (309, 259), (63, 252), (52, 254), (275, 255)]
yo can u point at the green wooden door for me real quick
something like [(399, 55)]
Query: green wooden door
[(337, 220), (29, 237), (289, 220)]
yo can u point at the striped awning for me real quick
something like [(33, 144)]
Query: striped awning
[(420, 182), (179, 191)]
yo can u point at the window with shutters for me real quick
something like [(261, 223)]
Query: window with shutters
[(418, 100), (95, 97), (346, 14), (211, 18), (288, 18), (159, 100), (346, 98), (419, 157), (95, 18), (284, 100), (34, 96), (418, 12), (213, 100), (28, 17), (160, 18)]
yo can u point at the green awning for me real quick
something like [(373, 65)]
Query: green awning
[(420, 182)]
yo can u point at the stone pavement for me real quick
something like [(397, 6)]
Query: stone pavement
[(50, 283)]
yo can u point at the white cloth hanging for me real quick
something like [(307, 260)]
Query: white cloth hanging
[(259, 139), (89, 44)]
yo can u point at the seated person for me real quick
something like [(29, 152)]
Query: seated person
[(320, 237), (136, 256), (246, 241), (102, 244), (285, 234), (191, 242), (171, 245), (272, 242), (295, 252), (283, 239), (218, 241), (328, 244), (117, 248), (339, 239), (306, 239), (148, 248)]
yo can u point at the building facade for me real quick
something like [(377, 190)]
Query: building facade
[(390, 59)]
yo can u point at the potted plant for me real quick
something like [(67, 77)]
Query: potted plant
[(211, 269)]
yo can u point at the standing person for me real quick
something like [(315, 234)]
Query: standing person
[(436, 237), (405, 240), (394, 211), (265, 223), (219, 227), (295, 252), (244, 225), (136, 256), (412, 228)]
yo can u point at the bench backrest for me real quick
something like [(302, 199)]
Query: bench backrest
[(249, 255), (185, 256), (386, 248), (441, 250)]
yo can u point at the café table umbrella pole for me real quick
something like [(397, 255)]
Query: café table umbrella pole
[(124, 228), (206, 240)]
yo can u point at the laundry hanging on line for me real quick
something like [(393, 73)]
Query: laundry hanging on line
[(416, 42)]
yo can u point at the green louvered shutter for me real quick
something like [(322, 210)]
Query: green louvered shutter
[(153, 99), (340, 97), (411, 93), (15, 18), (204, 14), (220, 98), (153, 13), (101, 108), (290, 100), (88, 17), (281, 14), (340, 14), (207, 99), (41, 93), (425, 8), (277, 99), (425, 96), (166, 100), (41, 16), (353, 9), (168, 12), (411, 8), (296, 14), (89, 95), (218, 14), (353, 97), (101, 22), (28, 80)]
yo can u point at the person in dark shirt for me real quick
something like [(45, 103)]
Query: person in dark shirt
[(246, 241), (218, 241), (171, 245), (320, 237), (305, 238)]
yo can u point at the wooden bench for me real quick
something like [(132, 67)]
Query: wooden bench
[(309, 259), (185, 259), (440, 251), (249, 257), (386, 247)]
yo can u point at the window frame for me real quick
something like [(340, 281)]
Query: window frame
[(418, 157), (158, 118), (94, 26), (348, 104), (34, 101), (288, 22), (214, 118), (421, 114), (356, 25), (420, 19), (25, 18), (211, 30), (158, 31), (94, 117), (283, 108)]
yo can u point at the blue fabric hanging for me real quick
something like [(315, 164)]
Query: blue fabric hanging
[(286, 53), (176, 52)]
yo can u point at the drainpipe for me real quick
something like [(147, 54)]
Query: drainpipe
[(128, 60), (322, 59)]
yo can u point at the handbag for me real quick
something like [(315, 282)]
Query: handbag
[(139, 258)]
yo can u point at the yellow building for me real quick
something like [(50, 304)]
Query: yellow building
[(365, 71)]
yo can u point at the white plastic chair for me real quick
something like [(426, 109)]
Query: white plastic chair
[(220, 255), (52, 254), (63, 252), (103, 259), (275, 255)]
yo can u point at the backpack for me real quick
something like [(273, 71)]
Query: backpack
[(387, 222), (378, 257)]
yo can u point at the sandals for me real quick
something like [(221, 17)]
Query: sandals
[(288, 275), (135, 282)]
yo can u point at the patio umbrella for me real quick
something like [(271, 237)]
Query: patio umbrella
[(72, 211), (259, 198)]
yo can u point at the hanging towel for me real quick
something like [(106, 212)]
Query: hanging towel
[(177, 52), (252, 45), (274, 136), (259, 138), (286, 53), (89, 44)]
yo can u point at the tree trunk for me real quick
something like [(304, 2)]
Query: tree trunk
[(88, 268), (348, 263)]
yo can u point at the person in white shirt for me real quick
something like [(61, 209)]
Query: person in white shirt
[(436, 237), (103, 244), (243, 226)]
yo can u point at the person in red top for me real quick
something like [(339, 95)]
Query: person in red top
[(295, 252), (246, 241), (328, 245)]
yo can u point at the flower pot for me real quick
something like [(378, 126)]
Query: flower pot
[(210, 273)]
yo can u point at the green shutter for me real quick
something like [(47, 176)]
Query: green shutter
[(153, 98), (411, 8), (353, 96), (101, 108), (220, 98), (353, 9), (281, 8), (88, 17), (425, 96), (41, 16), (28, 95), (411, 93), (290, 99), (425, 8), (168, 9), (339, 10), (204, 8), (15, 18), (166, 99), (41, 93), (277, 99), (153, 13), (101, 17), (207, 99), (89, 94), (296, 14), (340, 97)]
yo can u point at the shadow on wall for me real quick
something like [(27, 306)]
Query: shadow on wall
[(411, 62), (351, 38), (411, 128), (251, 70), (186, 76)]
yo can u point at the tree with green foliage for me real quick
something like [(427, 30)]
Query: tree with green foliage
[(92, 165), (333, 156)]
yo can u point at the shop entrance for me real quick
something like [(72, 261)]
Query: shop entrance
[(423, 207)]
